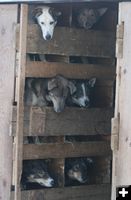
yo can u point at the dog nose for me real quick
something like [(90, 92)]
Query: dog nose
[(52, 182), (48, 37), (87, 103)]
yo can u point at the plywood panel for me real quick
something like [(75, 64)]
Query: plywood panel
[(8, 20), (71, 41), (92, 192), (123, 158)]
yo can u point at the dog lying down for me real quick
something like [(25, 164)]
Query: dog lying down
[(59, 91)]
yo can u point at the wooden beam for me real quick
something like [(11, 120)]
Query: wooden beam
[(74, 71), (65, 150), (8, 20), (20, 107), (71, 41), (92, 192), (72, 121)]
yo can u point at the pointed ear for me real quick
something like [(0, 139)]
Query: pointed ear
[(102, 11), (92, 82), (54, 13), (37, 12), (53, 83), (72, 87)]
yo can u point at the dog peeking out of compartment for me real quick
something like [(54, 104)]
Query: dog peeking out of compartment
[(36, 175), (88, 17), (46, 18)]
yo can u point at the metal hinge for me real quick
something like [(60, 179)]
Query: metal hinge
[(119, 40), (115, 133)]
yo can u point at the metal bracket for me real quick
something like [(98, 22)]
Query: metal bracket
[(119, 40), (115, 133)]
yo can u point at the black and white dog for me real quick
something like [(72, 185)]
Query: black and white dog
[(82, 95), (35, 174), (46, 17)]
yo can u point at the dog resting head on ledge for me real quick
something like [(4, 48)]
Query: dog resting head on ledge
[(39, 92), (47, 19)]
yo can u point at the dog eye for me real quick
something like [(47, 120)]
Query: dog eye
[(42, 23), (51, 23)]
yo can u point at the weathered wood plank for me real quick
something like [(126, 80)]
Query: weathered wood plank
[(8, 20), (122, 148), (20, 106), (72, 121), (74, 71), (92, 192), (71, 41), (59, 150)]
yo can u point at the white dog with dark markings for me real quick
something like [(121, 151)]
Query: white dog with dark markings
[(46, 17)]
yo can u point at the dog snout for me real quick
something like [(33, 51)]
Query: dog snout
[(59, 105), (48, 37), (87, 103), (52, 182)]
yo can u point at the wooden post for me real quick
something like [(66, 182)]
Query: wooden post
[(8, 19), (20, 104)]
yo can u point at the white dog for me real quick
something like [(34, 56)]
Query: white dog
[(47, 19)]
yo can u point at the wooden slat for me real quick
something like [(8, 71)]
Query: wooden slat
[(20, 108), (91, 192), (76, 71), (58, 150), (72, 121), (8, 20), (71, 41)]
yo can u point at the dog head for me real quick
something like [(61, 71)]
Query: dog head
[(47, 19), (81, 97), (78, 169), (87, 17), (58, 90)]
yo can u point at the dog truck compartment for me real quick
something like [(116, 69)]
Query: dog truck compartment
[(87, 42)]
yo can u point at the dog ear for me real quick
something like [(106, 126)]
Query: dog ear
[(102, 11), (92, 82), (37, 12), (53, 83), (72, 87), (54, 13)]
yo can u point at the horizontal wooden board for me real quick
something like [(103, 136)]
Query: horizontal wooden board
[(72, 121), (92, 192), (71, 41), (63, 150), (74, 71)]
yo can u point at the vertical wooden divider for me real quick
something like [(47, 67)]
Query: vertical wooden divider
[(20, 103)]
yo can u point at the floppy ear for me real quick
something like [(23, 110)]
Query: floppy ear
[(37, 12), (54, 13), (92, 82), (102, 11), (72, 87), (53, 83)]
